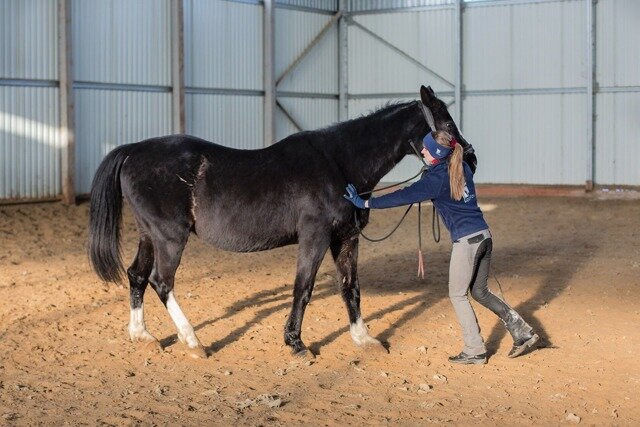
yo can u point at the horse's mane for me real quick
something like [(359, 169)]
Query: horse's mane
[(369, 117)]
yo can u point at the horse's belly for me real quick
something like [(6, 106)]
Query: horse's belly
[(242, 233)]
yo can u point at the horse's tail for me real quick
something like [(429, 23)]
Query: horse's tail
[(105, 214)]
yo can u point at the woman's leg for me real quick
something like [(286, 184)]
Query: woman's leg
[(521, 332), (461, 272), (479, 288)]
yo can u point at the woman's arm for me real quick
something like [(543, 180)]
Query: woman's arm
[(427, 188)]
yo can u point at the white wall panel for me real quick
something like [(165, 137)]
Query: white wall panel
[(121, 41), (232, 121), (617, 36), (618, 145), (377, 68), (364, 5), (310, 113), (548, 44), (223, 44), (106, 119), (528, 139), (318, 70), (330, 5), (28, 39), (533, 139), (30, 146), (488, 46), (523, 46)]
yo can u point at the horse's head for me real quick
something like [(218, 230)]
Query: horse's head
[(436, 114)]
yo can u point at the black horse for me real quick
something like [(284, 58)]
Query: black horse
[(252, 200)]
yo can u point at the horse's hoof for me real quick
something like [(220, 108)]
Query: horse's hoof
[(304, 354), (197, 352)]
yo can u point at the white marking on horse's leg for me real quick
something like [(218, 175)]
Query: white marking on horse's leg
[(137, 329), (360, 333), (185, 330)]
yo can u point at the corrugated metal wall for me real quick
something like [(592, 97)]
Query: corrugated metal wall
[(309, 113), (106, 119), (618, 103), (536, 134), (523, 72), (524, 81), (223, 69), (328, 5), (223, 72), (122, 69), (372, 5), (29, 143), (299, 92), (375, 67), (29, 114)]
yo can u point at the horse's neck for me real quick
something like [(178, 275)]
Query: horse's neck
[(374, 154), (376, 166)]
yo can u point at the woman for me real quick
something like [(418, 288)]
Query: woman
[(449, 184)]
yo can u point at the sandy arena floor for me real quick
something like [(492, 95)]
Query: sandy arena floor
[(570, 266)]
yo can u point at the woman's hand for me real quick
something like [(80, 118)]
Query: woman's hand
[(353, 197)]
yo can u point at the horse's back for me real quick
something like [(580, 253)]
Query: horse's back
[(254, 201), (238, 200)]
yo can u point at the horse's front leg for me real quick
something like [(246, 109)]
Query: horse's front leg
[(345, 256), (311, 251)]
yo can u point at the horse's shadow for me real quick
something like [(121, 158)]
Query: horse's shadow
[(550, 258)]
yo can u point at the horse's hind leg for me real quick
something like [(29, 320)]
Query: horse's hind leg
[(168, 254), (138, 274), (345, 256)]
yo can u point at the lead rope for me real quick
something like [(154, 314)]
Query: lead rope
[(376, 240), (420, 256), (434, 220), (435, 223), (355, 213)]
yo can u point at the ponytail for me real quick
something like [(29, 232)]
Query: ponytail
[(456, 171)]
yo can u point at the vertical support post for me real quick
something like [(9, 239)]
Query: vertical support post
[(177, 67), (458, 64), (590, 73), (268, 34), (67, 123), (343, 58)]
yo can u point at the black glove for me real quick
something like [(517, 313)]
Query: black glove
[(353, 197)]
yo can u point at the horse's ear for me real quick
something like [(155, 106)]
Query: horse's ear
[(424, 95), (427, 95)]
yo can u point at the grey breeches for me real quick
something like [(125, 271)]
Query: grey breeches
[(469, 269)]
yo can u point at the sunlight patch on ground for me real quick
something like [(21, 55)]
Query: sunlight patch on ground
[(487, 207)]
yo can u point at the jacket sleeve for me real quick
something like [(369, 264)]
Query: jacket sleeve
[(427, 188)]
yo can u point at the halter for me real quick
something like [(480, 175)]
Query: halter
[(428, 115)]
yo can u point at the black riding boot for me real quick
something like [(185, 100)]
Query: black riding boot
[(521, 332)]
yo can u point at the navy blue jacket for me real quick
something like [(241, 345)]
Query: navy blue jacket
[(461, 217)]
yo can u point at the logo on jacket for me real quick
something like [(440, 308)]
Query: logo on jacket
[(466, 195)]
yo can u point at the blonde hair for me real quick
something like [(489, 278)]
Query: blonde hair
[(456, 171)]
